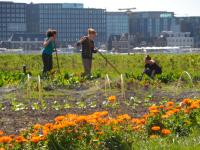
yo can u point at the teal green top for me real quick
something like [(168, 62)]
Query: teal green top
[(49, 49)]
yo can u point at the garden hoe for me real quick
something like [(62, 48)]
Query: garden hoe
[(104, 57), (57, 60)]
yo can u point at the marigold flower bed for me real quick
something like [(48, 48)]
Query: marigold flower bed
[(99, 130)]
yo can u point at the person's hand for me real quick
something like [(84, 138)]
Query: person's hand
[(83, 38), (96, 50)]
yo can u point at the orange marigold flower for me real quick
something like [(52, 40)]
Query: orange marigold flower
[(124, 117), (48, 126), (1, 148), (36, 139), (20, 139), (161, 106), (145, 116), (1, 132), (45, 132), (112, 99), (194, 105), (155, 128), (5, 139), (169, 108), (154, 111), (166, 131), (187, 101), (104, 113), (170, 103), (59, 118), (37, 127), (176, 110), (154, 107), (136, 121), (142, 121), (170, 112), (136, 127), (165, 116), (81, 119)]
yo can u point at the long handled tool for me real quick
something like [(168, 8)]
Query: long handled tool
[(109, 63), (142, 76), (57, 60)]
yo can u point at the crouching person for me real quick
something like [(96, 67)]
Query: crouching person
[(88, 48), (49, 47), (151, 67)]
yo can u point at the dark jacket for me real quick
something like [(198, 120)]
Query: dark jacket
[(87, 47), (155, 67)]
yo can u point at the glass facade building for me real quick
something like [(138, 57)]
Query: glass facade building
[(12, 19), (117, 23), (71, 20), (72, 23), (192, 25), (148, 25)]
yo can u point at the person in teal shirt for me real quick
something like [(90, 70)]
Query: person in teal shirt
[(49, 47)]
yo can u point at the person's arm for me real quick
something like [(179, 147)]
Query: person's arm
[(95, 50), (145, 68), (153, 74), (47, 42), (81, 41), (55, 49)]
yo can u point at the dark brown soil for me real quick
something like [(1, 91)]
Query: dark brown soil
[(13, 121)]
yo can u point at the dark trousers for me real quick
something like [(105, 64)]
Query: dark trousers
[(87, 65), (149, 72), (47, 62)]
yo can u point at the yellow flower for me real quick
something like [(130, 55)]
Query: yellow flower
[(154, 136)]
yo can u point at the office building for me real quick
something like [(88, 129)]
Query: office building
[(12, 19), (177, 39), (71, 20), (192, 25), (148, 25), (117, 23)]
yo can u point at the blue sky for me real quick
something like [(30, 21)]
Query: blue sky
[(180, 7)]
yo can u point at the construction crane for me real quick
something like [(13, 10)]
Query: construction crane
[(128, 10)]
